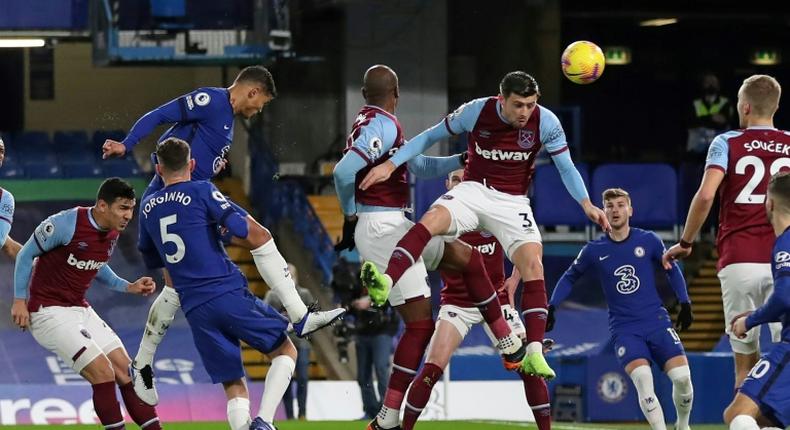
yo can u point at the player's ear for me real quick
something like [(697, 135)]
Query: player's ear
[(158, 168), (191, 165)]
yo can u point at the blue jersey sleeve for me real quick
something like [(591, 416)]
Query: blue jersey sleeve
[(7, 206), (55, 231), (465, 117), (375, 138), (195, 106), (223, 213), (345, 175), (552, 134), (674, 275), (461, 120), (565, 284), (432, 167), (107, 276), (718, 153)]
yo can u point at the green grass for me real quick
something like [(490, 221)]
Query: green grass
[(360, 425)]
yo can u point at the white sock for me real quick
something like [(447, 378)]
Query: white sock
[(744, 422), (535, 347), (278, 379), (388, 417), (648, 402), (274, 270), (239, 413), (161, 314), (682, 394)]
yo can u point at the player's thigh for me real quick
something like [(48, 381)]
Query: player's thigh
[(629, 347), (444, 342), (259, 325), (768, 384), (102, 333), (61, 331), (464, 203), (462, 319), (219, 350), (664, 344), (512, 222), (741, 290)]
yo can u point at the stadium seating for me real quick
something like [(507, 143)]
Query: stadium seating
[(654, 200), (552, 207)]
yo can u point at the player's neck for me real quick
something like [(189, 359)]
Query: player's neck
[(780, 223), (620, 234), (175, 179), (760, 122), (96, 219)]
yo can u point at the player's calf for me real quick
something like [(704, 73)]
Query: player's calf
[(142, 414)]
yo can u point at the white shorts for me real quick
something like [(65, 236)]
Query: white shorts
[(76, 334), (476, 207), (464, 318), (376, 235), (745, 287)]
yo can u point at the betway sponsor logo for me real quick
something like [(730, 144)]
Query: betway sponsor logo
[(500, 155), (779, 148), (486, 249), (84, 265)]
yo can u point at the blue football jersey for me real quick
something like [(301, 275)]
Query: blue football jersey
[(178, 230), (777, 307), (203, 118), (626, 271)]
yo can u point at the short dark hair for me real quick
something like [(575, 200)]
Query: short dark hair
[(259, 75), (173, 154), (115, 188), (779, 187), (520, 83)]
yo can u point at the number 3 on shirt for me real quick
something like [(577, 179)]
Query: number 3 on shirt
[(172, 237)]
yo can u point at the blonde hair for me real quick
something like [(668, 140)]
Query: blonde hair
[(762, 92), (613, 193)]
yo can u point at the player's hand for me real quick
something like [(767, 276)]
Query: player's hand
[(347, 240), (673, 253), (511, 284), (738, 325), (20, 314), (596, 215), (685, 317), (550, 319), (221, 164), (112, 148), (377, 174), (144, 286)]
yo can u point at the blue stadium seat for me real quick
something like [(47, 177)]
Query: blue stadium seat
[(67, 142), (122, 167), (32, 139), (11, 170), (84, 169), (42, 170), (551, 203), (31, 155), (653, 190)]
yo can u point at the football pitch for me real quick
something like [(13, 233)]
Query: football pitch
[(360, 425)]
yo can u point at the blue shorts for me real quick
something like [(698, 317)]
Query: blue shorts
[(157, 184), (768, 384), (219, 324), (659, 345)]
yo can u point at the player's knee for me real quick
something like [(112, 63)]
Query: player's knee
[(99, 370), (680, 377)]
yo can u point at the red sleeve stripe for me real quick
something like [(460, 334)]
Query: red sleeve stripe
[(560, 151), (447, 126), (715, 166), (361, 154)]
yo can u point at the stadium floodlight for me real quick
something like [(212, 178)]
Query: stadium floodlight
[(22, 43), (658, 22)]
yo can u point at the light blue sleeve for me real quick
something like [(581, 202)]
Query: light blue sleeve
[(107, 276), (375, 138), (570, 176), (718, 152), (551, 133), (461, 120), (55, 231), (433, 167), (465, 117), (7, 206)]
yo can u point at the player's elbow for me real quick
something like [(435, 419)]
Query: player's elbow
[(705, 196)]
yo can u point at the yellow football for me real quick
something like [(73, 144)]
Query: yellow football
[(583, 62)]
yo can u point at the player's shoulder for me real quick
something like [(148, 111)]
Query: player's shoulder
[(207, 96), (547, 115), (474, 104), (724, 138), (781, 244)]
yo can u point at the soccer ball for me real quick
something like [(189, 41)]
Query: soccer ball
[(583, 62)]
